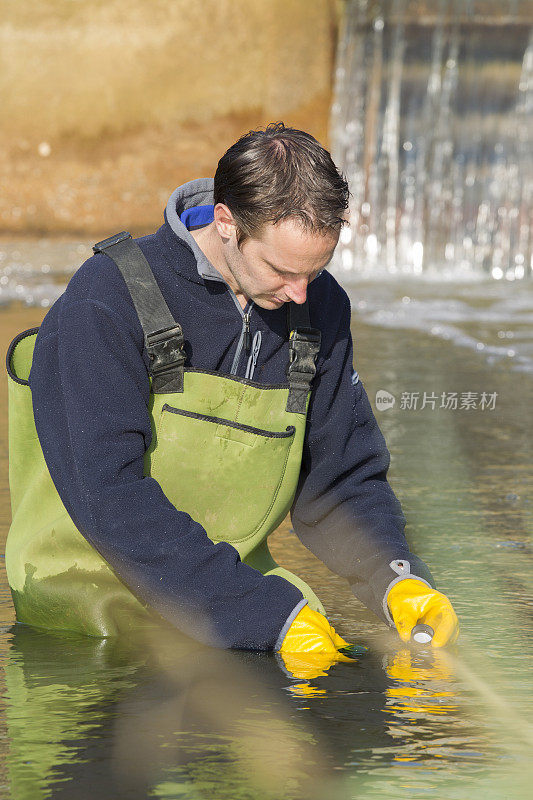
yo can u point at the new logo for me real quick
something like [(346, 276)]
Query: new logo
[(384, 400)]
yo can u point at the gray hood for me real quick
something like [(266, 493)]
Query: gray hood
[(194, 193)]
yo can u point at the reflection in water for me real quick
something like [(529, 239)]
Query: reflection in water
[(168, 717), (89, 717), (118, 719), (418, 680)]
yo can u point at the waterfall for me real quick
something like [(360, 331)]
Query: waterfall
[(431, 123)]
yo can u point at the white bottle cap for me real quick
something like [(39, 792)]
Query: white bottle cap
[(422, 637), (422, 634)]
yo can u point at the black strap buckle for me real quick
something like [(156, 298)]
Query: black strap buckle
[(304, 346), (167, 359), (99, 247), (310, 335)]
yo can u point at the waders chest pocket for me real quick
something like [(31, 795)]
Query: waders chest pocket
[(227, 475)]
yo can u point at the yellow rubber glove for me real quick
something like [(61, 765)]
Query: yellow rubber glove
[(310, 632), (411, 601), (311, 646)]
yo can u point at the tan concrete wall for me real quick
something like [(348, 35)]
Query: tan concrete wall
[(125, 98)]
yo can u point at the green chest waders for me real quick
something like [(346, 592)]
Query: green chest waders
[(225, 450)]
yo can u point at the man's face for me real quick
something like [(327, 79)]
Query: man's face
[(277, 266)]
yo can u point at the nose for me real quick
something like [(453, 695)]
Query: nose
[(296, 290)]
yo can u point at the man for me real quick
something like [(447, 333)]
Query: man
[(182, 412)]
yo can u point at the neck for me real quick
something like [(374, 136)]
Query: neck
[(208, 241)]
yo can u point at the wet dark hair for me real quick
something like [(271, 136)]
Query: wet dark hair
[(280, 173)]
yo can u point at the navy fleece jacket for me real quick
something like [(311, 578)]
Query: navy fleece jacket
[(90, 390)]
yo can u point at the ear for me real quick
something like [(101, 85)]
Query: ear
[(224, 222)]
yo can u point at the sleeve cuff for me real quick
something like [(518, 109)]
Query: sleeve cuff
[(290, 619), (374, 592)]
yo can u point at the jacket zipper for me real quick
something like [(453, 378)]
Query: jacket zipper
[(245, 340)]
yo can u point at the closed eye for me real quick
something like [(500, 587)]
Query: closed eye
[(284, 273)]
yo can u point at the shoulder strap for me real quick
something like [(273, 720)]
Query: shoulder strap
[(298, 316), (304, 346), (162, 334)]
